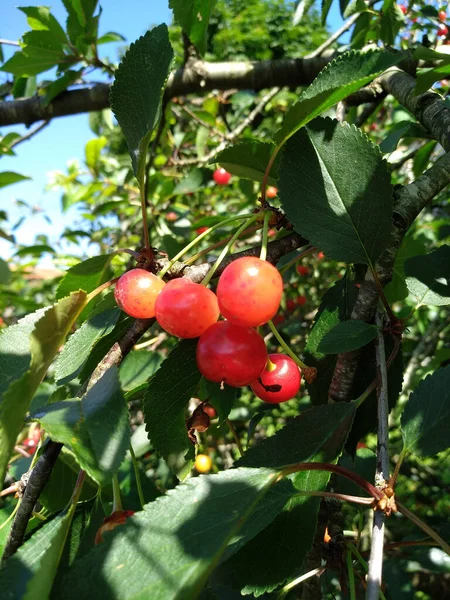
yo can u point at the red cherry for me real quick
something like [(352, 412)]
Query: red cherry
[(200, 230), (321, 255), (403, 8), (290, 304), (186, 309), (271, 232), (171, 216), (442, 16), (280, 381), (221, 177), (302, 270), (249, 291), (278, 320), (301, 300), (235, 355), (271, 192), (442, 31), (136, 293)]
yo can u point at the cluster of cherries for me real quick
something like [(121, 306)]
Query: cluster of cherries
[(229, 351)]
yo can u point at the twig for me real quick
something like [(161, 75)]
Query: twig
[(236, 437), (232, 136), (200, 121), (337, 34), (9, 42), (30, 134), (374, 577)]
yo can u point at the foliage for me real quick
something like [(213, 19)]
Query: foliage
[(349, 169)]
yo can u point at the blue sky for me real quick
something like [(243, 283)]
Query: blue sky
[(65, 137)]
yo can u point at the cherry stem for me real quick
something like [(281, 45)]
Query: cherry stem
[(270, 366), (100, 288), (336, 496), (219, 244), (400, 460), (132, 253), (350, 574), (137, 476), (117, 498), (263, 253), (357, 479), (228, 248), (266, 174), (78, 487), (383, 298), (318, 571), (300, 256), (236, 437), (285, 347), (199, 239), (11, 516), (428, 530), (142, 188)]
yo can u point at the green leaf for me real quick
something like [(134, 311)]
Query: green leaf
[(110, 36), (339, 79), (60, 85), (326, 5), (9, 177), (222, 397), (42, 50), (428, 277), (193, 16), (396, 289), (165, 403), (185, 531), (422, 158), (391, 21), (428, 76), (138, 367), (87, 275), (348, 216), (31, 570), (5, 273), (26, 351), (347, 336), (194, 181), (249, 160), (402, 129), (336, 306), (40, 18), (93, 150), (37, 250), (79, 346), (137, 92), (95, 428), (316, 435), (425, 418)]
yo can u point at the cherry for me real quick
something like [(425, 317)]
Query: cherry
[(403, 8), (200, 230), (249, 291), (231, 354), (221, 177), (271, 192), (442, 31), (301, 300), (290, 304), (186, 309), (271, 232), (302, 270), (442, 16), (321, 255), (171, 216), (136, 293), (203, 463), (280, 380), (278, 320)]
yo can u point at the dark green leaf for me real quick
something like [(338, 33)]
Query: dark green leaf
[(193, 16), (348, 216), (428, 277), (61, 84), (326, 5), (396, 289), (336, 306), (79, 346), (347, 336), (165, 403), (249, 160), (317, 435), (26, 351), (339, 79), (37, 250), (222, 397), (86, 276), (95, 428), (137, 91), (391, 21), (138, 367), (31, 570), (174, 543), (363, 464), (425, 418), (9, 177), (400, 130), (422, 158)]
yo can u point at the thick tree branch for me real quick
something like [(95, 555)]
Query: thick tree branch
[(197, 76)]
